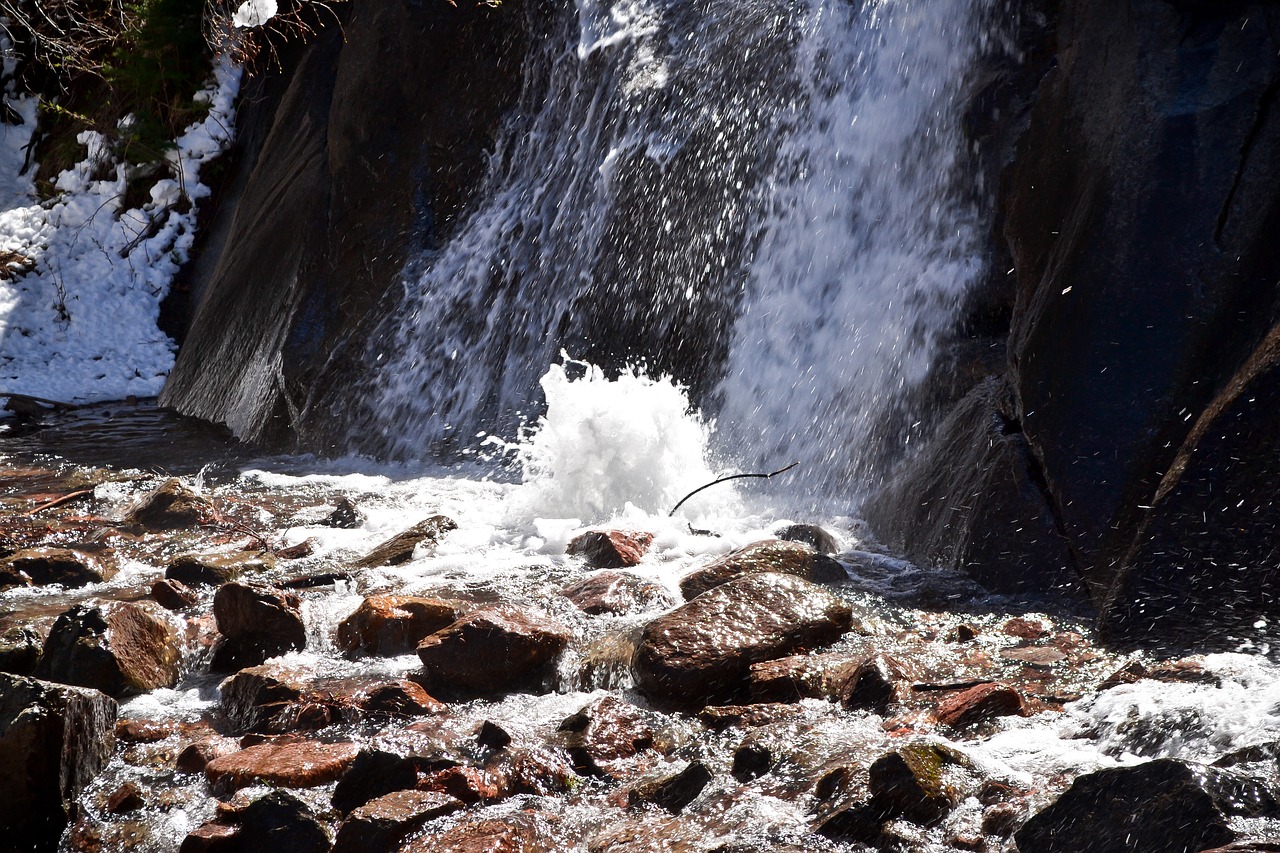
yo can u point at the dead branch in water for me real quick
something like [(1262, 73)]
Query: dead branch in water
[(726, 479)]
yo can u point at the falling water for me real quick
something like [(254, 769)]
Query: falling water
[(757, 199)]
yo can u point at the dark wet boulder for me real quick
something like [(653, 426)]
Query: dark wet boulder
[(64, 566), (671, 790), (610, 549), (280, 822), (394, 624), (399, 548), (20, 650), (379, 825), (53, 740), (490, 651), (603, 735), (812, 535), (911, 782), (256, 623), (877, 684), (616, 593), (170, 506), (217, 568), (287, 762), (702, 652), (1149, 808), (119, 647), (173, 595), (773, 555), (256, 694)]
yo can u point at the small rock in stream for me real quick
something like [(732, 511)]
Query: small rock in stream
[(394, 624), (119, 647), (610, 549), (399, 548), (20, 650), (379, 825), (980, 703), (616, 593), (281, 823), (64, 566), (217, 568), (171, 506), (671, 791), (173, 595), (771, 555), (345, 515), (812, 535), (286, 763), (604, 734), (702, 652), (257, 623), (490, 651)]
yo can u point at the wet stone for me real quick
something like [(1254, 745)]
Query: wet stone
[(345, 515), (878, 683), (288, 763), (124, 799), (257, 623), (1042, 657), (751, 761), (812, 535), (521, 832), (610, 549), (773, 555), (394, 624), (909, 782), (63, 566), (797, 677), (119, 647), (468, 784), (1025, 629), (671, 791), (282, 823), (980, 703), (1154, 807), (616, 593), (721, 717), (171, 506), (490, 651), (217, 568), (379, 825), (212, 837), (297, 551), (604, 733), (399, 548), (400, 699), (702, 652), (20, 650), (173, 595), (194, 757)]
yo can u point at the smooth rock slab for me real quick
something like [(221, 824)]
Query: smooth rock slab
[(394, 624), (53, 740), (701, 653), (772, 555), (118, 647), (617, 593), (1155, 807), (290, 764), (491, 650)]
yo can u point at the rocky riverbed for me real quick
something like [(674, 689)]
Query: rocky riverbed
[(290, 654)]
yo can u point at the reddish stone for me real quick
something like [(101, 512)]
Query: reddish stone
[(173, 595), (1038, 656), (394, 624), (399, 548), (468, 784), (119, 647), (611, 549), (290, 764), (612, 592), (605, 732), (983, 702), (797, 677), (1025, 629), (215, 569), (491, 650), (70, 568), (401, 698), (541, 772), (772, 555), (523, 832), (305, 548), (171, 506), (258, 623), (212, 838), (126, 798), (194, 757), (380, 824), (143, 731)]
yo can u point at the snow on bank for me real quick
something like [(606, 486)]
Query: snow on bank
[(80, 325)]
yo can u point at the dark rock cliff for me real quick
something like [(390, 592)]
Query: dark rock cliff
[(1135, 436), (290, 280)]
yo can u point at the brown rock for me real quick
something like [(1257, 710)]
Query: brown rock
[(1043, 657), (721, 717), (522, 832), (64, 566), (672, 790), (53, 740), (610, 549), (297, 551), (144, 731), (536, 771), (258, 623), (212, 837), (20, 648), (491, 650), (702, 652), (772, 555), (468, 784), (172, 506), (909, 782), (256, 694), (399, 548), (812, 535), (878, 683), (401, 698), (381, 824), (173, 595), (285, 763), (604, 733), (394, 624), (797, 677), (980, 703), (126, 798), (217, 568), (345, 515), (1025, 629), (194, 757), (119, 647), (616, 593)]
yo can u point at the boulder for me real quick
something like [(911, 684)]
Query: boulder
[(255, 695), (671, 790), (194, 757), (811, 676), (773, 555), (63, 566), (379, 825), (604, 734), (281, 823), (911, 782), (616, 593), (702, 652), (53, 740), (610, 549), (20, 650), (375, 773), (394, 624), (399, 548), (285, 762), (171, 506), (980, 703), (119, 647), (490, 651), (173, 595), (217, 568), (877, 684), (257, 623), (1149, 808), (212, 837), (399, 699)]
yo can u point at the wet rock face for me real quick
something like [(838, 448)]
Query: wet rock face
[(1151, 808), (257, 623), (380, 824), (777, 555), (65, 566), (171, 506), (118, 647), (491, 650), (610, 549), (288, 763), (616, 593), (394, 624), (53, 740), (702, 652)]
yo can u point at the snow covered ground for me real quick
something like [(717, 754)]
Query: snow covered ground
[(80, 298)]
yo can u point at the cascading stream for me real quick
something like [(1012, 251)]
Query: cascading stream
[(757, 199)]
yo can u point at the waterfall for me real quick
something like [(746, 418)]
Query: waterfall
[(759, 199)]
